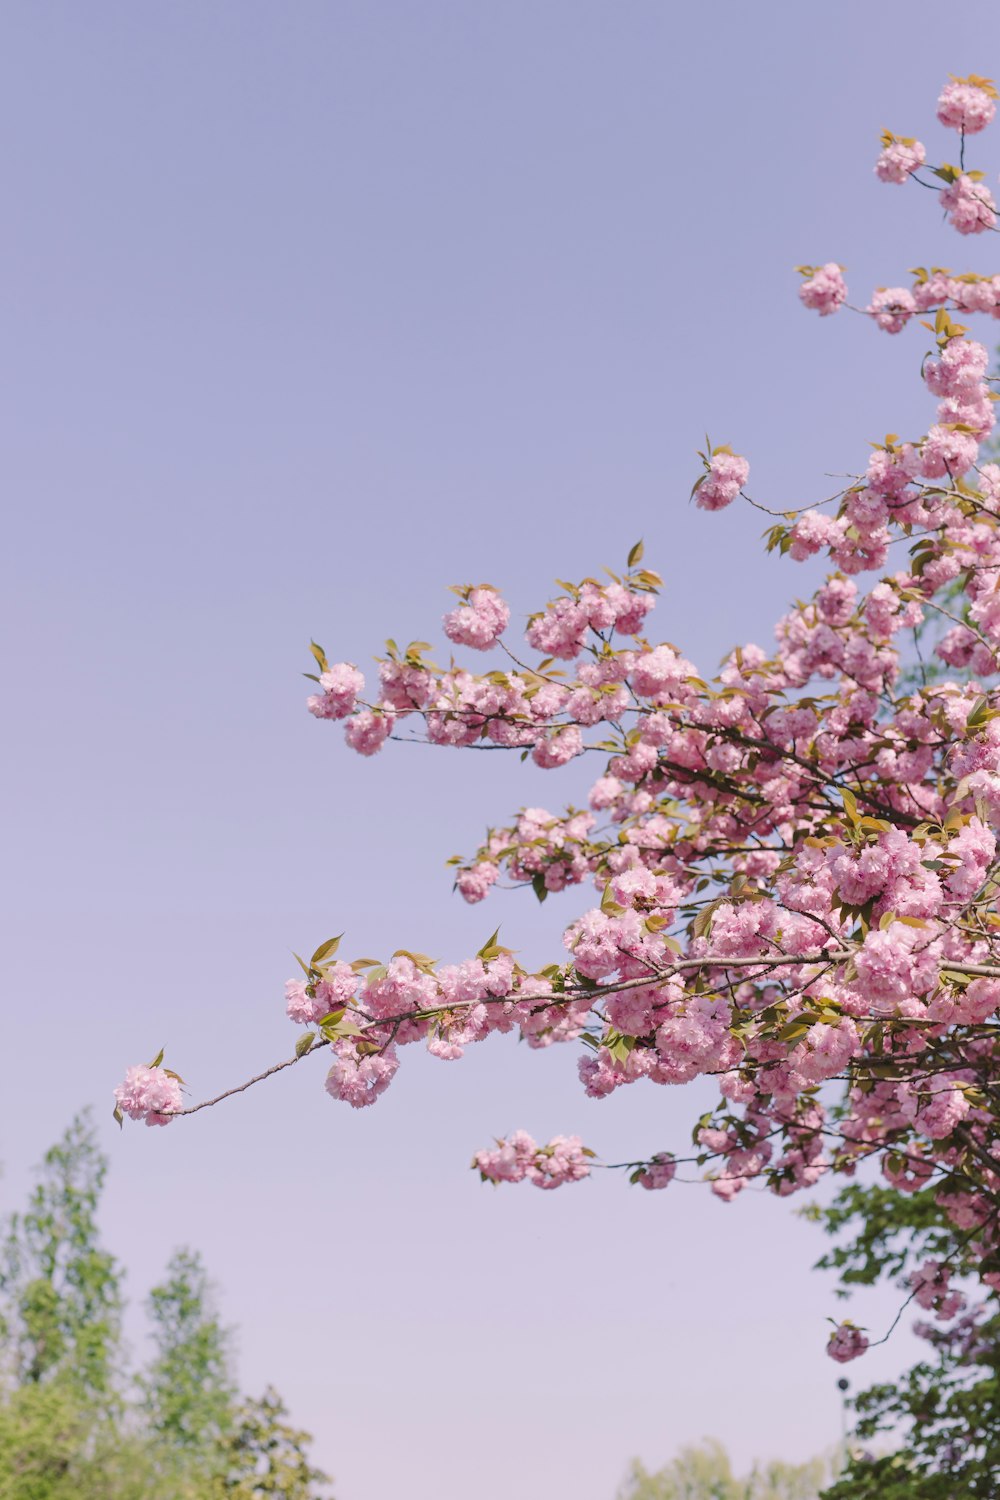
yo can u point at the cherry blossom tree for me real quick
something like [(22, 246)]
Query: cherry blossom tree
[(795, 862)]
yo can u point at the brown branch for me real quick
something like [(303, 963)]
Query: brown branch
[(241, 1087)]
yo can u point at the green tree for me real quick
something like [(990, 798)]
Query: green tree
[(43, 1430), (267, 1457), (941, 1419), (74, 1424), (61, 1387), (189, 1393), (55, 1446), (212, 1444), (943, 1415), (705, 1473), (60, 1290)]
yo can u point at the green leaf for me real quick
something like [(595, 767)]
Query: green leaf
[(702, 923), (538, 886), (337, 1024), (850, 805), (325, 950), (489, 944), (116, 1114), (635, 555), (320, 656), (980, 715), (157, 1059), (304, 1043)]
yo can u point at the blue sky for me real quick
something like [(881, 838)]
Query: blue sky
[(309, 312)]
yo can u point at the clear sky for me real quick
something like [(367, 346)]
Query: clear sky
[(310, 310)]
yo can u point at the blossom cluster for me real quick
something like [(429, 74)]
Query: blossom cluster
[(518, 1158), (794, 864), (967, 105), (149, 1093), (846, 1343)]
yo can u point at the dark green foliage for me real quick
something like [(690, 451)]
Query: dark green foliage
[(888, 1229), (268, 1457), (947, 1410), (934, 1434)]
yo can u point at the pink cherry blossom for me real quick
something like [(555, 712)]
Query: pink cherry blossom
[(368, 730), (558, 748), (659, 1172), (824, 290), (474, 883), (892, 308), (898, 159), (964, 105), (150, 1094), (947, 450), (342, 684), (359, 1080), (784, 875), (930, 1289), (480, 621), (846, 1343), (971, 206), (517, 1158), (726, 475)]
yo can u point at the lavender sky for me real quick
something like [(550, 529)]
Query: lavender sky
[(311, 310)]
